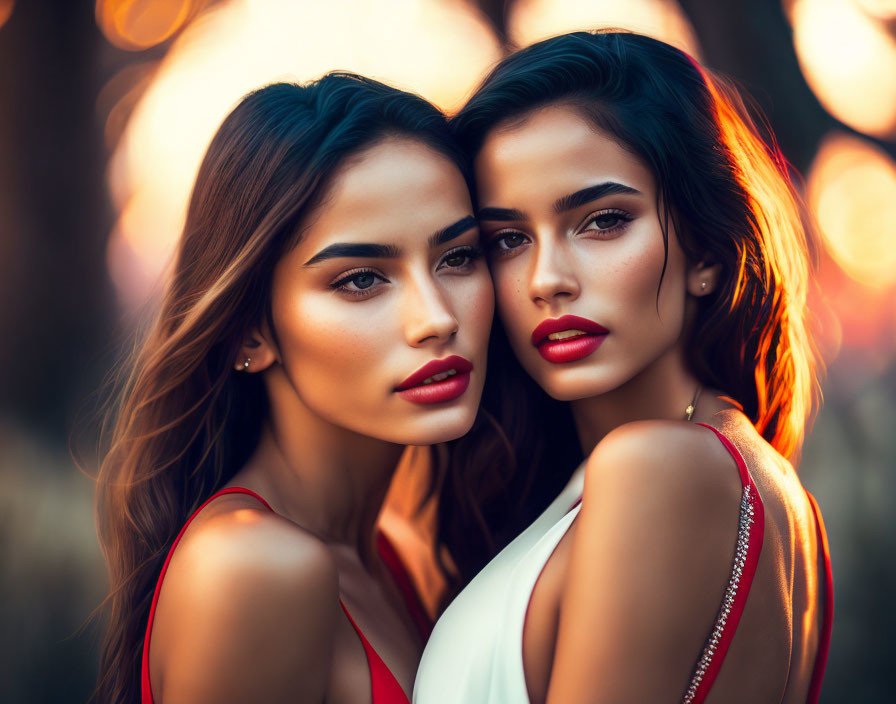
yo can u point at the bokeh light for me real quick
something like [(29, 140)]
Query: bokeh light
[(6, 7), (120, 95), (881, 9), (849, 60), (438, 48), (852, 190), (532, 20), (139, 24)]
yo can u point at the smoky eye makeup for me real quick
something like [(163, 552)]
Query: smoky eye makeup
[(363, 282), (606, 222)]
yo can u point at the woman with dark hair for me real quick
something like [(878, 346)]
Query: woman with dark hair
[(327, 307), (650, 265)]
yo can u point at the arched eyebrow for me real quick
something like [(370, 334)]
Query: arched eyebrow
[(355, 250), (501, 214), (561, 205), (366, 250), (452, 231), (592, 193)]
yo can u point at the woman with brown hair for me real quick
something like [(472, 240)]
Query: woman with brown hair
[(327, 307), (651, 266)]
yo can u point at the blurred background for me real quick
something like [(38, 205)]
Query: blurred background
[(107, 109)]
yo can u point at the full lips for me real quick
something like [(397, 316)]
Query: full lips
[(413, 389), (570, 350), (439, 391), (573, 348)]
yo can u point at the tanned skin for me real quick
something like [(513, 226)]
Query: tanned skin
[(626, 601), (249, 609)]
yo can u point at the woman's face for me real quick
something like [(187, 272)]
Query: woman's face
[(569, 220), (383, 309)]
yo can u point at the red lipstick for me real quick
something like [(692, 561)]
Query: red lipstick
[(586, 338), (421, 387)]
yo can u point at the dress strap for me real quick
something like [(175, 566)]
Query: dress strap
[(824, 645), (145, 684), (746, 558), (384, 688)]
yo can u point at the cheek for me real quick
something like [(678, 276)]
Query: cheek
[(475, 304), (325, 342), (511, 294), (646, 306)]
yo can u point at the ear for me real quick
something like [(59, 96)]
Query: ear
[(258, 350), (703, 278)]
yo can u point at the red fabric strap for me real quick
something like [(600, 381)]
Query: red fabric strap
[(383, 685), (384, 688), (824, 645), (754, 547), (145, 685)]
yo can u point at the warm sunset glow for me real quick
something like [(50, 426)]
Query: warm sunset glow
[(533, 20), (779, 233), (140, 24), (854, 318), (438, 48), (852, 190), (849, 60), (881, 9), (5, 10)]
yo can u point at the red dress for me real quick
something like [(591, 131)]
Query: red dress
[(749, 545), (383, 685)]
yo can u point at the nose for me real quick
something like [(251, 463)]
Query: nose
[(428, 317), (552, 276)]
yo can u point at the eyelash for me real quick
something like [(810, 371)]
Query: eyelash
[(471, 252), (624, 218)]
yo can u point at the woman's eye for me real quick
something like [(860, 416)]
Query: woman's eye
[(456, 260), (608, 221), (362, 281), (358, 283), (460, 257), (509, 240)]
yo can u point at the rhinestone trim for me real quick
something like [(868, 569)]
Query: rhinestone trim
[(740, 558)]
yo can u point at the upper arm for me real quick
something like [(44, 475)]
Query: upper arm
[(650, 560), (253, 611)]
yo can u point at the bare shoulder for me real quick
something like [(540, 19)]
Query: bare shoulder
[(251, 603), (250, 548), (650, 560), (681, 462)]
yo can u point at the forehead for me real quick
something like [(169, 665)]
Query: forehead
[(396, 190), (552, 152)]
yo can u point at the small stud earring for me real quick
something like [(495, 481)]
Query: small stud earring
[(702, 285), (246, 364)]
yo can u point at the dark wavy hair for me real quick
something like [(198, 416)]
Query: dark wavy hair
[(184, 422), (730, 200)]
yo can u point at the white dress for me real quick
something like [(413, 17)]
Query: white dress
[(475, 652)]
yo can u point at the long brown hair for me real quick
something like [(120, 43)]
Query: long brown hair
[(730, 199), (185, 423)]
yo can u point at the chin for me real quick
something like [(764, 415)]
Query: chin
[(432, 427), (576, 384), (441, 426)]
